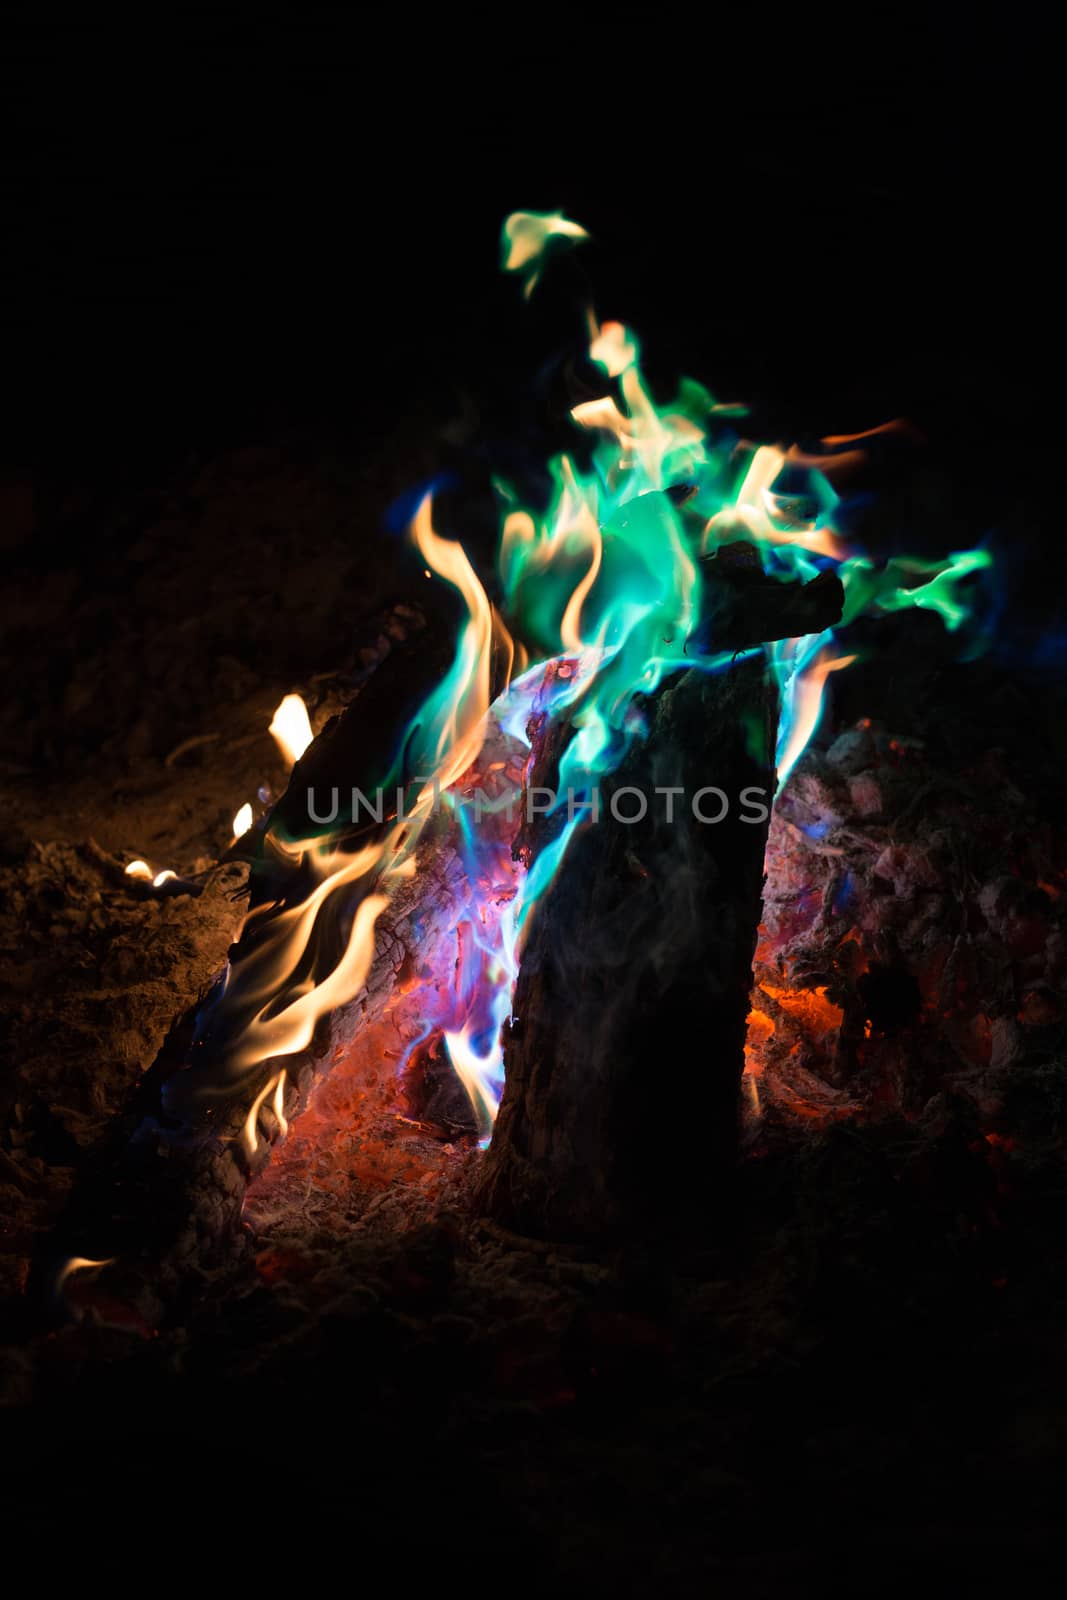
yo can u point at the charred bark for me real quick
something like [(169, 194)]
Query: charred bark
[(624, 1055)]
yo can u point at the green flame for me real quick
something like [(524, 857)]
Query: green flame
[(611, 568)]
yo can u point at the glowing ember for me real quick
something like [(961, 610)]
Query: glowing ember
[(760, 1028), (819, 1013), (291, 728)]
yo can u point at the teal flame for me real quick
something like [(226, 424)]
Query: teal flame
[(608, 577)]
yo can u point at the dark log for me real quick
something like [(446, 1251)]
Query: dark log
[(624, 1056), (626, 1049), (744, 607)]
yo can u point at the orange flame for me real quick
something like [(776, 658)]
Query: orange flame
[(753, 508), (370, 876), (75, 1264)]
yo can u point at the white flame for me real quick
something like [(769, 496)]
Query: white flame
[(138, 869), (279, 1104), (473, 1071), (162, 877), (291, 728), (804, 698), (242, 821)]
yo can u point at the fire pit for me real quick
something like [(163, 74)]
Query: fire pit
[(545, 876), (535, 964)]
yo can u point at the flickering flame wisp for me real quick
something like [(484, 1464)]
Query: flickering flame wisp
[(527, 235), (74, 1264), (291, 728), (269, 1006), (807, 691)]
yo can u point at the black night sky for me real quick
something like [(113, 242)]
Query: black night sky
[(219, 225)]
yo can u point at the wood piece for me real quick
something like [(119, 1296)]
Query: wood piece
[(625, 1054), (170, 1187), (165, 1189), (626, 1049), (743, 607)]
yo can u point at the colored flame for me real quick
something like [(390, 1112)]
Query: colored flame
[(612, 347), (476, 1073), (268, 1008), (803, 703), (526, 237), (603, 592)]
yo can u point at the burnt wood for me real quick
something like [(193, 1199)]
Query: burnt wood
[(623, 1063), (624, 1055), (625, 1051)]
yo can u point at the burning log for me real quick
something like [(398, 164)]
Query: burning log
[(678, 901), (639, 930), (638, 966), (166, 1188)]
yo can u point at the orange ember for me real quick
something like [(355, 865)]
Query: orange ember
[(810, 1007)]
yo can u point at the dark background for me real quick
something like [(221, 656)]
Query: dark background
[(219, 227), (227, 232)]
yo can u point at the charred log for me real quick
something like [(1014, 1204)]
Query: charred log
[(743, 607), (656, 919), (626, 1047), (624, 1055)]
